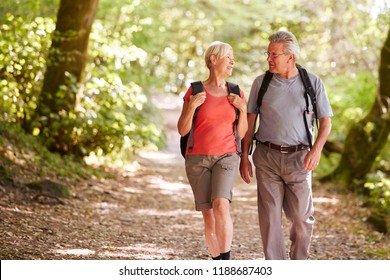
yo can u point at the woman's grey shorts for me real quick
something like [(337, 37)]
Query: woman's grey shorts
[(211, 177)]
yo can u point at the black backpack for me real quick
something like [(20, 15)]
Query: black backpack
[(309, 93), (196, 88)]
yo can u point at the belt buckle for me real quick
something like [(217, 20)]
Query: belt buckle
[(284, 149)]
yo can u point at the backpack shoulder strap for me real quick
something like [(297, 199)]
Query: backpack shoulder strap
[(196, 87), (309, 90), (233, 88), (263, 88)]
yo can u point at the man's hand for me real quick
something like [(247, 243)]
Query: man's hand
[(312, 160)]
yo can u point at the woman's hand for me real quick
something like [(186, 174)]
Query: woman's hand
[(187, 113), (197, 99), (237, 102)]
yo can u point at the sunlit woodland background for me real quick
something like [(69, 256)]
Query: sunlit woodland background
[(78, 77)]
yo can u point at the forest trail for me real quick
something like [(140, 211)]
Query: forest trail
[(147, 213)]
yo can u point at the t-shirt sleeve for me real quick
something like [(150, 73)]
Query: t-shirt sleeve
[(252, 103), (323, 105), (188, 94)]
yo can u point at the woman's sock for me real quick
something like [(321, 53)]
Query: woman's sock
[(225, 256)]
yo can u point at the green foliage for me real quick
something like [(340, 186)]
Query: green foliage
[(378, 187), (114, 114), (24, 159), (113, 103), (28, 9), (379, 190), (351, 98), (175, 35), (22, 63)]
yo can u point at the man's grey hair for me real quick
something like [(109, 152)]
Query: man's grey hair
[(290, 42)]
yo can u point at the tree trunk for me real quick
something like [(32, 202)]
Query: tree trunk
[(65, 73), (366, 138)]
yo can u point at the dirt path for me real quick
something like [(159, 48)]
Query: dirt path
[(148, 213)]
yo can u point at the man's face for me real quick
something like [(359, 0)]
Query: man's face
[(277, 58)]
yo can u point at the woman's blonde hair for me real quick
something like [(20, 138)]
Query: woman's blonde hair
[(217, 48)]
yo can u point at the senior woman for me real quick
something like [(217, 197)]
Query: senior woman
[(212, 162)]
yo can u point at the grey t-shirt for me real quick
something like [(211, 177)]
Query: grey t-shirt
[(283, 106)]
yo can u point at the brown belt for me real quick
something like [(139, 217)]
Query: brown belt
[(285, 149)]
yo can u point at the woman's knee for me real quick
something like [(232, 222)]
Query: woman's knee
[(221, 207), (208, 215)]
